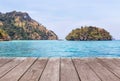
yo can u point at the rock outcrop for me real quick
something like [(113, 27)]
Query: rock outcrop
[(20, 26), (89, 33)]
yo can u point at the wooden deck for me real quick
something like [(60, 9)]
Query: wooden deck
[(59, 69)]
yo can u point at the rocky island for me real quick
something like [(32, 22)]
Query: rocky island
[(20, 26), (89, 33)]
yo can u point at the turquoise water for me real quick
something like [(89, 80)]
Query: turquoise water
[(45, 48)]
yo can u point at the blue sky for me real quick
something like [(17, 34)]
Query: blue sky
[(62, 16)]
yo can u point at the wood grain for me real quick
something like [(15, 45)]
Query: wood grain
[(68, 72), (35, 71), (51, 72), (56, 69), (84, 71), (17, 72), (103, 73)]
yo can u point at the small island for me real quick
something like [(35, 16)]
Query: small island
[(89, 33)]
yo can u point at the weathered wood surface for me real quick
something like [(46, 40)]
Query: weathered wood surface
[(68, 71), (59, 69), (84, 71), (18, 71), (35, 71), (51, 72), (103, 72)]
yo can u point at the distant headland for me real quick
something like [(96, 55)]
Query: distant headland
[(20, 26)]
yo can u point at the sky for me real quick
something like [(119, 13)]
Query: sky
[(62, 16)]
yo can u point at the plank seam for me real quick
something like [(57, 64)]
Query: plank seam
[(27, 69), (99, 61), (43, 70), (76, 69), (11, 69), (94, 71), (60, 70)]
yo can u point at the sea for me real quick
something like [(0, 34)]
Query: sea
[(59, 48)]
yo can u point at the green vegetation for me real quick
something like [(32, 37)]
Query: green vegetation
[(89, 33), (4, 35), (20, 26)]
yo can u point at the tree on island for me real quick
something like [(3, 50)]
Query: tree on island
[(4, 35), (89, 33)]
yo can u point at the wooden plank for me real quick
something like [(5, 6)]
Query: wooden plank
[(35, 71), (102, 72), (68, 72), (3, 61), (17, 72), (117, 61), (51, 72), (84, 71), (110, 65), (9, 66)]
